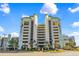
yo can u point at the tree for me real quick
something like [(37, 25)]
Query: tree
[(67, 46), (13, 43), (31, 44), (47, 45), (70, 45)]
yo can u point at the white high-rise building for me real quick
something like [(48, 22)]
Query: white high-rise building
[(41, 38), (53, 31), (28, 33), (34, 35)]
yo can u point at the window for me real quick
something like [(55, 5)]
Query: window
[(25, 35), (25, 32), (26, 23), (26, 27), (56, 35), (55, 29), (25, 41), (55, 32), (55, 23), (41, 42), (25, 38), (49, 22), (55, 38), (41, 37)]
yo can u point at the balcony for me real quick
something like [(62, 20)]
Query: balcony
[(55, 29), (26, 23), (41, 44), (55, 33), (25, 29), (25, 33), (40, 32), (25, 41), (41, 40), (41, 37)]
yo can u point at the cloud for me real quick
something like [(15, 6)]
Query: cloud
[(24, 15), (14, 34), (76, 35), (75, 24), (1, 29), (4, 35), (49, 8), (5, 8), (73, 10)]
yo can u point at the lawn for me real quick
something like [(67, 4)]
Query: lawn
[(55, 51)]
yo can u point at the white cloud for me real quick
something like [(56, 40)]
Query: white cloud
[(76, 35), (1, 29), (24, 15), (75, 24), (49, 8), (4, 35), (5, 8), (73, 10), (14, 34)]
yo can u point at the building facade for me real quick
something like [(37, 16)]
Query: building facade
[(28, 33), (41, 36), (65, 39), (33, 35), (6, 43), (53, 31), (68, 42)]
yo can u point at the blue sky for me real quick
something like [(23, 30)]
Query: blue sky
[(11, 14)]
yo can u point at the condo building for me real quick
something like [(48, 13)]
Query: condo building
[(28, 33), (65, 39), (53, 31), (41, 37), (34, 35), (6, 43)]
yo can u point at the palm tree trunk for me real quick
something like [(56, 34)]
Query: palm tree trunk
[(14, 47)]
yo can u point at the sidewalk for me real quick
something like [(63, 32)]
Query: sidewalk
[(66, 53)]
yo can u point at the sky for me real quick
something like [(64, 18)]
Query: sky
[(11, 14)]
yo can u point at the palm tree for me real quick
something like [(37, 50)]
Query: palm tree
[(48, 45), (67, 46), (70, 45), (31, 44), (13, 43)]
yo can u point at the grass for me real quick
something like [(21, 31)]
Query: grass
[(56, 51), (76, 49)]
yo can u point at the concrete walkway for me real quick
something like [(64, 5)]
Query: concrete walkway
[(66, 53)]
